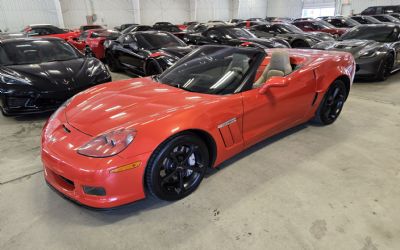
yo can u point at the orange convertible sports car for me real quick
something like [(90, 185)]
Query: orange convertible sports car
[(113, 143)]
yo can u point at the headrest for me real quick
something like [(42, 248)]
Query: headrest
[(280, 60)]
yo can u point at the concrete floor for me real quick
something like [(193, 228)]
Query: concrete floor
[(335, 187)]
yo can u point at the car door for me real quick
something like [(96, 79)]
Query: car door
[(279, 108)]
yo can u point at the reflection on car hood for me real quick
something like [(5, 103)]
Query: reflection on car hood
[(352, 46), (177, 51), (132, 102), (55, 76)]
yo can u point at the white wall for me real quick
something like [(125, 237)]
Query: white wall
[(174, 11), (249, 8), (16, 14), (205, 10), (284, 8), (110, 13)]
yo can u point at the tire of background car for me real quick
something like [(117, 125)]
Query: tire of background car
[(332, 104), (152, 67), (300, 44), (386, 68), (177, 167), (113, 65)]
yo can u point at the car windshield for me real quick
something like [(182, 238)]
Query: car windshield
[(158, 40), (366, 19), (91, 27), (379, 33), (386, 18), (35, 52), (288, 28), (217, 70), (169, 28), (236, 33)]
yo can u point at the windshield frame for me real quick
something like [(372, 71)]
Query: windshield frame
[(246, 81)]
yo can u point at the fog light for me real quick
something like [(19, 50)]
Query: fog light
[(98, 191), (125, 167)]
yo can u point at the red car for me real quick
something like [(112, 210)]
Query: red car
[(94, 39), (107, 145), (319, 25), (47, 30)]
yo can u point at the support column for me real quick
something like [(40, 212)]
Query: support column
[(136, 11)]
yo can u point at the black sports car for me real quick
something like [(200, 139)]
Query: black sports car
[(376, 48), (290, 33), (169, 27), (39, 74), (234, 36), (387, 18), (145, 52)]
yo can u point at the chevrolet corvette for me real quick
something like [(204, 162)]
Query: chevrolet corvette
[(375, 47), (39, 74), (47, 30), (113, 144)]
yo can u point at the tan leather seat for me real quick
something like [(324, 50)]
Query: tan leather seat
[(279, 65)]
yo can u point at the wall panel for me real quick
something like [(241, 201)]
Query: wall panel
[(16, 14)]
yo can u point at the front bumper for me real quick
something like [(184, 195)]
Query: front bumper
[(368, 67), (20, 101), (68, 172)]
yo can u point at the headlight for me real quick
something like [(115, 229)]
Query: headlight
[(109, 144), (368, 54), (13, 80)]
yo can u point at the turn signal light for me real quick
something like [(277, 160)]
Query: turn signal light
[(126, 167)]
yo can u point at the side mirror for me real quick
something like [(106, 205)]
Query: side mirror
[(88, 52), (273, 82)]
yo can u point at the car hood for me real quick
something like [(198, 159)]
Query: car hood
[(177, 51), (355, 47), (59, 75), (128, 103)]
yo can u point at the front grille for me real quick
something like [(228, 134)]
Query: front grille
[(17, 102)]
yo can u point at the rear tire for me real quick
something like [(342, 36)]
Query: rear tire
[(177, 167), (332, 104), (386, 68)]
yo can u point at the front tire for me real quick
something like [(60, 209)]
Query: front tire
[(386, 68), (177, 167), (332, 104), (113, 65)]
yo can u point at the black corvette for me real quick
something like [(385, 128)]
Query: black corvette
[(145, 52), (39, 74), (234, 36), (376, 48), (290, 33)]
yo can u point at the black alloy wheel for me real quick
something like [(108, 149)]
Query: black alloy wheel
[(177, 167), (332, 104), (112, 63), (386, 68)]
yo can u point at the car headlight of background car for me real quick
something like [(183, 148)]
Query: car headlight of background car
[(7, 79), (108, 144), (369, 53)]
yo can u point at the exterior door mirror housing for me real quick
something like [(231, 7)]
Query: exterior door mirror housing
[(273, 82)]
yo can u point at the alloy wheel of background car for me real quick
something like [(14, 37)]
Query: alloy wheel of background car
[(300, 44), (177, 167), (333, 103), (386, 68), (112, 64)]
